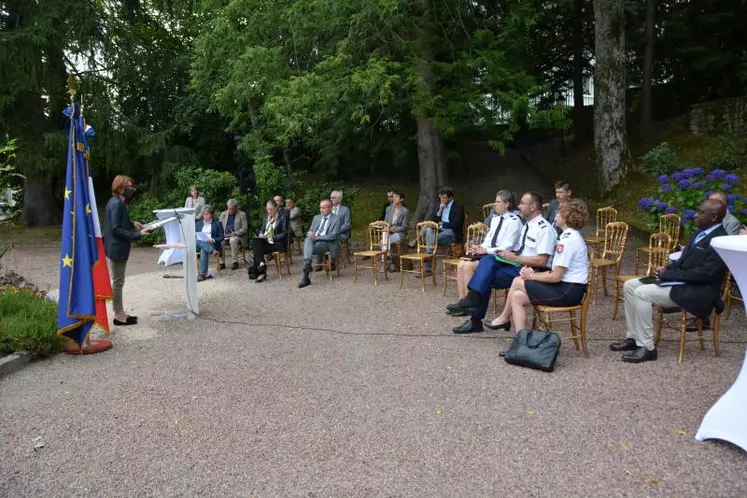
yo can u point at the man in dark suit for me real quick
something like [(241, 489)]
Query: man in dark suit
[(449, 215), (563, 193), (323, 236), (692, 283)]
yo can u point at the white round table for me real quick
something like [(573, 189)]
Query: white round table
[(727, 419)]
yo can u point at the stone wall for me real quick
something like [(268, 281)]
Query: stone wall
[(723, 117)]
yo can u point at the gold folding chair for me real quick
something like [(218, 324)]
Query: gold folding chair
[(344, 253), (577, 322), (281, 259), (421, 256), (604, 215), (658, 254), (476, 233), (734, 295), (486, 208), (326, 265), (670, 224), (615, 236), (376, 238), (457, 250), (681, 325)]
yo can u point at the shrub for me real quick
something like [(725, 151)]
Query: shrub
[(727, 153), (215, 186), (661, 160), (142, 211), (309, 202), (683, 191), (28, 322)]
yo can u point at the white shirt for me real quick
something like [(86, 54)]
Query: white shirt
[(326, 226), (207, 228), (571, 254), (509, 238), (334, 210), (540, 238)]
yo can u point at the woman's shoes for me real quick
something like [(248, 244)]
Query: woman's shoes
[(130, 320), (504, 326), (261, 278)]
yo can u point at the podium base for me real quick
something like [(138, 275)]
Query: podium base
[(94, 346), (175, 314)]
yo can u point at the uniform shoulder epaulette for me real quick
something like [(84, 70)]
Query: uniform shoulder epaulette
[(542, 224), (512, 217), (565, 235)]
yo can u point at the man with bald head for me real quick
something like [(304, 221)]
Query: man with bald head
[(692, 283), (323, 236)]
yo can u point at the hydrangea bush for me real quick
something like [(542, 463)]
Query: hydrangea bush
[(683, 191)]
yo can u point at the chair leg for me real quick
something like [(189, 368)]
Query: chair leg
[(700, 334), (288, 266), (277, 266), (422, 276), (728, 306), (574, 332), (594, 286), (683, 330), (401, 273), (548, 321), (584, 347), (604, 280), (444, 277), (495, 301), (534, 318), (375, 270), (715, 323), (387, 260)]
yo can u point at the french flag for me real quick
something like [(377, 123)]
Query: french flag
[(102, 286)]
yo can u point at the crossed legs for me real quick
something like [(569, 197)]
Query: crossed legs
[(515, 309)]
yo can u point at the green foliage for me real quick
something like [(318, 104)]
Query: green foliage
[(314, 193), (10, 178), (215, 186), (142, 210), (661, 160), (728, 153), (28, 322)]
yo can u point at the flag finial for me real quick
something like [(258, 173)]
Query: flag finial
[(72, 85)]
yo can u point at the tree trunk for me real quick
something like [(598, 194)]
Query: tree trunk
[(648, 62), (578, 69), (39, 206), (432, 163), (610, 136)]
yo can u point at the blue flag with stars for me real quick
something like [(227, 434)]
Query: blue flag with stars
[(77, 302)]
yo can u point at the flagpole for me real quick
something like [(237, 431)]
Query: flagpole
[(89, 346)]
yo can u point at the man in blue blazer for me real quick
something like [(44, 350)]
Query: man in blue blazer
[(692, 283), (213, 231)]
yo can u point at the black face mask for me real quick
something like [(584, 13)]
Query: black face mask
[(128, 193)]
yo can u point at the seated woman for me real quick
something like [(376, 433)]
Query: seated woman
[(504, 235), (565, 285), (396, 215), (271, 238), (213, 233), (195, 201)]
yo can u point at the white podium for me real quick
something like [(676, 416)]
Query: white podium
[(181, 247), (172, 256), (727, 419)]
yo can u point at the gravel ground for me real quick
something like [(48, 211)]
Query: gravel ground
[(346, 389)]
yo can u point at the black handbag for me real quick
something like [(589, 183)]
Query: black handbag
[(534, 349)]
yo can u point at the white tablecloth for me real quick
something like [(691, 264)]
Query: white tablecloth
[(173, 235), (727, 419)]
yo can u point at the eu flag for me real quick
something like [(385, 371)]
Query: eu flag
[(77, 302)]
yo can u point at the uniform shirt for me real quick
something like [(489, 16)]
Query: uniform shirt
[(509, 236), (538, 238), (570, 253)]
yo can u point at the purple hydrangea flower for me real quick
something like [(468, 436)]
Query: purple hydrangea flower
[(731, 178), (733, 197), (666, 188), (663, 179), (684, 184), (678, 176), (697, 171), (708, 194), (744, 211), (711, 177), (698, 184), (726, 186), (661, 206), (719, 173), (645, 203), (689, 214), (670, 210)]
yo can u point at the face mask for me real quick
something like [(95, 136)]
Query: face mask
[(128, 193)]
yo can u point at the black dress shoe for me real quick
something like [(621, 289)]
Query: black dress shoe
[(122, 324), (627, 345), (222, 266), (639, 356), (235, 266), (261, 278), (131, 317), (305, 282), (469, 327), (500, 326), (456, 313)]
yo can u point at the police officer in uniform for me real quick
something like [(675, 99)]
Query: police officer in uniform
[(535, 250), (504, 235), (565, 285)]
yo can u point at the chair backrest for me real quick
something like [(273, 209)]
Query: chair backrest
[(605, 215), (486, 210), (670, 223), (476, 233), (615, 236), (422, 229), (377, 234), (658, 251)]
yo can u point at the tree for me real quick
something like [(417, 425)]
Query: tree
[(647, 69), (610, 84)]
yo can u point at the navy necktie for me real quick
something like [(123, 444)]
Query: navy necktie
[(523, 239), (497, 231)]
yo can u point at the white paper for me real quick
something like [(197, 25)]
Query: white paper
[(202, 236), (675, 256)]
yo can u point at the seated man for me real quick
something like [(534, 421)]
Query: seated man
[(342, 212), (535, 250), (563, 193), (695, 285), (449, 215), (235, 229), (212, 231), (389, 198), (294, 216), (321, 237)]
